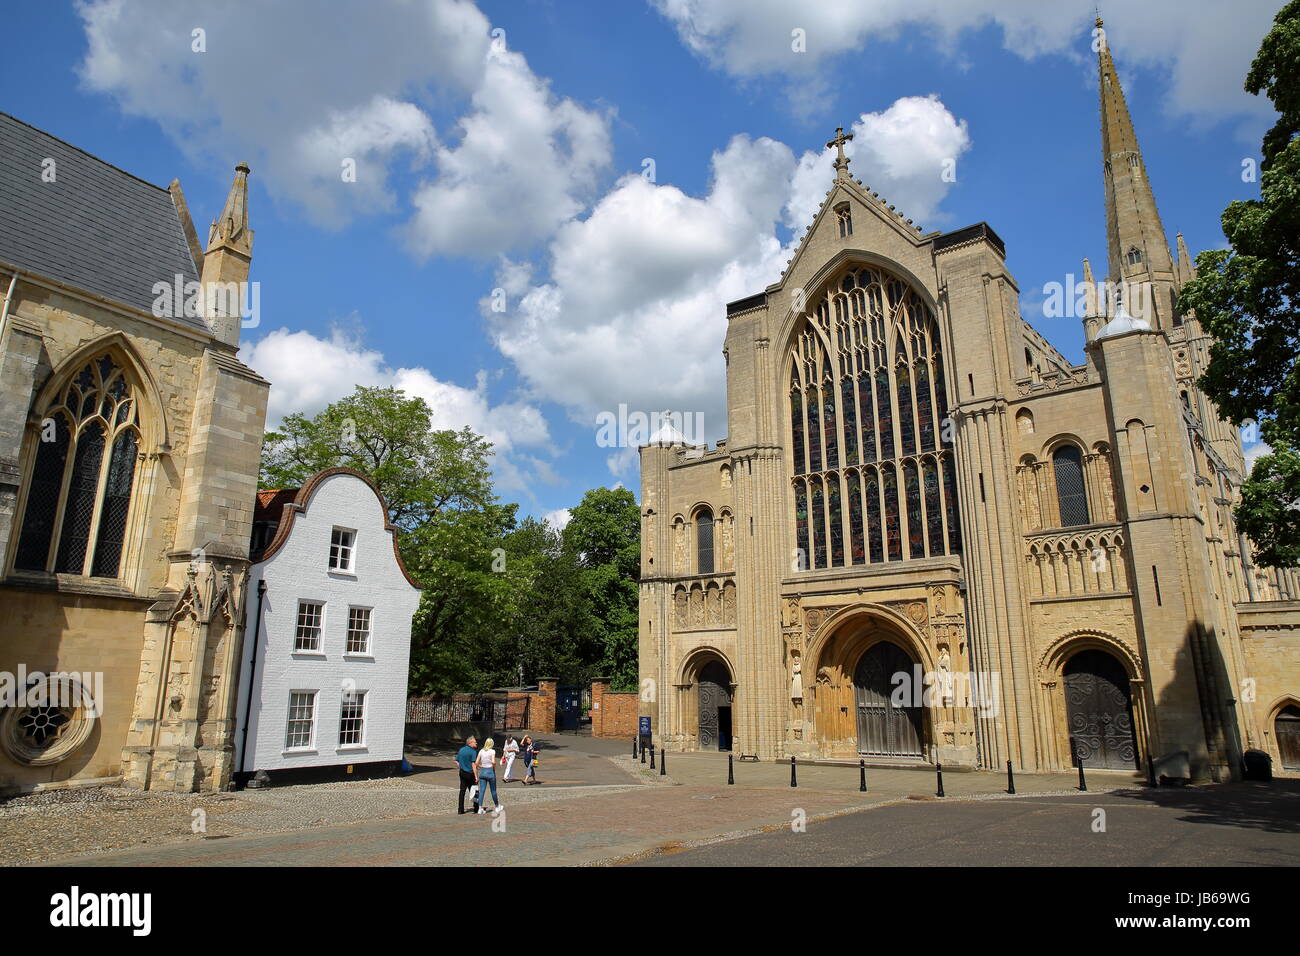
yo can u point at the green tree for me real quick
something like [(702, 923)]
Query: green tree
[(438, 486), (604, 534), (1246, 298)]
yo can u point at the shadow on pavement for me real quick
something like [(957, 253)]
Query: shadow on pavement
[(1273, 806)]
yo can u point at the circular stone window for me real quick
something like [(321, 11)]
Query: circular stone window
[(52, 720)]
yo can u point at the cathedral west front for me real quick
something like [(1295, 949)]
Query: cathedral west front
[(929, 537)]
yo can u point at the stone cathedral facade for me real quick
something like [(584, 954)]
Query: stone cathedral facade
[(130, 436), (930, 537)]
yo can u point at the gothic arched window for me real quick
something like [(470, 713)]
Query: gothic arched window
[(704, 541), (866, 387), (1067, 464), (80, 489), (1134, 255)]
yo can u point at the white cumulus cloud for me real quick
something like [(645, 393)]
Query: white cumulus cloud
[(1205, 46), (311, 93), (307, 373), (633, 309)]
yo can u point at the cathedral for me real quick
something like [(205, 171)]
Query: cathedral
[(130, 437), (929, 537)]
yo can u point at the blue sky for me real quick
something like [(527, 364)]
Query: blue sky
[(515, 161)]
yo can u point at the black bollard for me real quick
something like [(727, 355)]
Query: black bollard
[(663, 761), (652, 757), (643, 752), (1082, 783), (862, 776), (794, 782), (938, 769), (1151, 772), (731, 776), (1011, 780), (633, 748)]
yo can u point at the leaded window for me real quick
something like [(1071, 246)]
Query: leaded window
[(704, 542), (872, 464), (1072, 500), (79, 495)]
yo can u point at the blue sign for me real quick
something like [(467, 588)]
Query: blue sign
[(645, 726)]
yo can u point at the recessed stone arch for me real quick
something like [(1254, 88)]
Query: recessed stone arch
[(1052, 672), (700, 693), (834, 652)]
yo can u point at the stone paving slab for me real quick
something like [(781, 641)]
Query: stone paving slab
[(574, 828)]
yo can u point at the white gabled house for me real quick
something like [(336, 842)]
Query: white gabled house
[(322, 690)]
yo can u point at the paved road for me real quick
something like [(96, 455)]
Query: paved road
[(1229, 825)]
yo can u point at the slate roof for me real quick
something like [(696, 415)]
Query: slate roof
[(95, 228)]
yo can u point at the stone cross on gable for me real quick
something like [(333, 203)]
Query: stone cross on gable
[(841, 161)]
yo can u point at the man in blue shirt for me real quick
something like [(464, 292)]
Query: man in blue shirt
[(465, 762)]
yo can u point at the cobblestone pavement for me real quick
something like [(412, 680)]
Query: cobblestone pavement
[(596, 804)]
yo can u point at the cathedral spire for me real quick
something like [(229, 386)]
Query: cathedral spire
[(224, 273), (1138, 249), (232, 228)]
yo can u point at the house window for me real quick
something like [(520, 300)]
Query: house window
[(704, 542), (80, 491), (309, 624), (352, 719), (302, 719), (341, 549), (1067, 463), (358, 630)]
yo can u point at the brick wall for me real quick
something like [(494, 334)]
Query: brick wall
[(541, 710), (612, 714)]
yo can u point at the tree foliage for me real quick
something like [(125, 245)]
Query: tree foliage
[(1246, 298), (503, 601)]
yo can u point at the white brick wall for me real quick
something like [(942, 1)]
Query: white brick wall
[(300, 569)]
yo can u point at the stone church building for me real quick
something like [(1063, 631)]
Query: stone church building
[(130, 436), (930, 537)]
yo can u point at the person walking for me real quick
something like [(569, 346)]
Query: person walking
[(508, 753), (485, 770), (465, 763), (530, 760)]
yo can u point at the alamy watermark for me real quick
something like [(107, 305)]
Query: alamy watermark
[(182, 298), (61, 689), (624, 429)]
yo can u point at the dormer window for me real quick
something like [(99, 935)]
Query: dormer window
[(342, 549), (845, 218)]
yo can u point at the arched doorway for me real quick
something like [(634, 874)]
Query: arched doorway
[(883, 729), (715, 706), (1287, 726), (1099, 709)]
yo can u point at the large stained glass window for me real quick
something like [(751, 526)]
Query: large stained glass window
[(79, 495), (867, 387)]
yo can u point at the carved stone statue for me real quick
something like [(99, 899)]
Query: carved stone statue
[(796, 679)]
